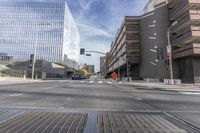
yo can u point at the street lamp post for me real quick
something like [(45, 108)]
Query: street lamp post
[(170, 49), (35, 52), (118, 68), (35, 49)]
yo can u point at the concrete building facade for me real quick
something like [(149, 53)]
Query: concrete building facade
[(124, 56), (90, 69), (151, 39), (185, 38)]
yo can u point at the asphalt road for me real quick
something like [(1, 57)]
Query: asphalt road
[(101, 95)]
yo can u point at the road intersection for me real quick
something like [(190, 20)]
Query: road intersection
[(180, 107)]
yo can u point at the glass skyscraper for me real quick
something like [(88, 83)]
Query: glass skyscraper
[(46, 25)]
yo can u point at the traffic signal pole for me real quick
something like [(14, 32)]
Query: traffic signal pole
[(127, 65)]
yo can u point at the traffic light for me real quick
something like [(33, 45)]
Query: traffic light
[(129, 65), (166, 61), (160, 53), (82, 51), (31, 59)]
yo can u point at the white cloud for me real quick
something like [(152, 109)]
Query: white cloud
[(99, 20), (89, 31), (95, 58)]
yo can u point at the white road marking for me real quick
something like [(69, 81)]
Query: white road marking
[(139, 99), (188, 90), (48, 88), (71, 81), (109, 82), (191, 93), (91, 81), (100, 82), (82, 81), (15, 95)]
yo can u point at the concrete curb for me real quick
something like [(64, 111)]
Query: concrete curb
[(162, 85)]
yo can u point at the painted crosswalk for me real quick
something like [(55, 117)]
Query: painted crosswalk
[(100, 82), (89, 81)]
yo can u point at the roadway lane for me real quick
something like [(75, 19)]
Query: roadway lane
[(89, 94), (101, 95), (183, 104)]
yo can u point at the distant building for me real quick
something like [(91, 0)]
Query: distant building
[(43, 69), (141, 42), (45, 25), (102, 65), (90, 69), (125, 49)]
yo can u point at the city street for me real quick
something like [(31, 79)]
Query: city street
[(181, 107)]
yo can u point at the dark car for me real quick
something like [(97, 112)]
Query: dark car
[(76, 76)]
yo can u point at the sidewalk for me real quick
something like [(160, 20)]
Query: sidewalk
[(160, 85), (13, 80)]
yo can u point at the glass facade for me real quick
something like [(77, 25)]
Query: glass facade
[(45, 25)]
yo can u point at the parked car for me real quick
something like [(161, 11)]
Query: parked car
[(76, 76)]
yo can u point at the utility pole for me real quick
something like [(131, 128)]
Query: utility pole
[(169, 47), (118, 69), (127, 65)]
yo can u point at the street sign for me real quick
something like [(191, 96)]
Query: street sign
[(169, 50), (88, 55), (114, 75)]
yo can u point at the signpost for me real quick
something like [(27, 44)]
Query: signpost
[(169, 50), (114, 75), (160, 53), (88, 55)]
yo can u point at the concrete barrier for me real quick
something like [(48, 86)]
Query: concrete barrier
[(172, 81), (151, 80)]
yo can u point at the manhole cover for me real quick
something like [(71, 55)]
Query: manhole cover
[(134, 123)]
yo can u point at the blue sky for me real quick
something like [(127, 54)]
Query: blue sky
[(98, 22)]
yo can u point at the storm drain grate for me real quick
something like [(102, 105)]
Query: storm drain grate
[(135, 123), (45, 122)]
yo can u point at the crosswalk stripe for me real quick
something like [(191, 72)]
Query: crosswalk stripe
[(191, 93), (91, 81), (100, 82)]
